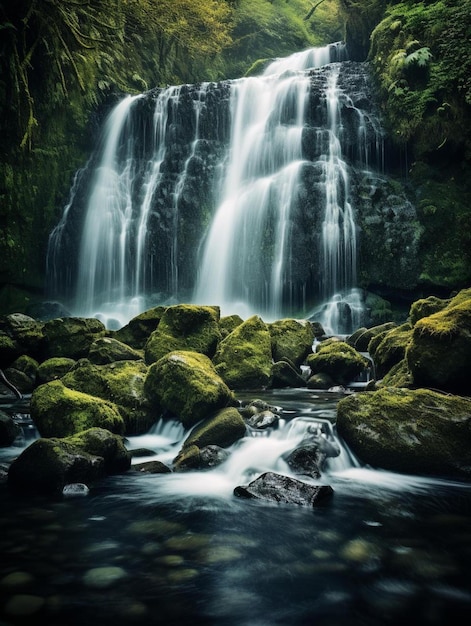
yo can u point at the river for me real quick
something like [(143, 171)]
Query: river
[(181, 548)]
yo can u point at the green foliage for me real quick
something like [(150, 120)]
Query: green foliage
[(420, 56)]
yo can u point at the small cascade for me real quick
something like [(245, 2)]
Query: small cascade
[(236, 194)]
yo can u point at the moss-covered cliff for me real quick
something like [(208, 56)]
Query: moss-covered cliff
[(419, 54)]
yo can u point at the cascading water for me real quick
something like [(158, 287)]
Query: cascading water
[(233, 194)]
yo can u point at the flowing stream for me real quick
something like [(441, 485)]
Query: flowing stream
[(235, 194), (181, 548)]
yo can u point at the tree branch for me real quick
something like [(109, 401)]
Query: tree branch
[(311, 11)]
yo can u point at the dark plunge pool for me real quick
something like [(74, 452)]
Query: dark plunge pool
[(182, 549)]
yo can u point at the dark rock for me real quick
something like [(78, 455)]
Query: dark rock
[(284, 489)]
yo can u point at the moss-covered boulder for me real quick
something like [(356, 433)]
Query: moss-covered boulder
[(58, 411), (229, 323), (108, 350), (409, 431), (439, 354), (186, 385), (361, 340), (47, 465), (71, 336), (22, 373), (121, 383), (138, 330), (223, 429), (185, 327), (9, 430), (338, 360), (53, 369), (244, 357), (25, 332), (291, 339), (425, 307), (398, 376), (387, 349), (285, 374)]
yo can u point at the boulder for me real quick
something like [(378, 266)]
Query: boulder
[(291, 339), (283, 374), (223, 429), (184, 327), (122, 383), (425, 307), (47, 465), (229, 323), (439, 353), (108, 350), (338, 360), (361, 340), (273, 487), (58, 411), (25, 333), (22, 373), (409, 431), (138, 330), (53, 369), (398, 376), (9, 430), (387, 349), (194, 458), (186, 385), (71, 336), (244, 359)]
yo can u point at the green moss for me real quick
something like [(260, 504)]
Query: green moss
[(389, 348), (222, 429), (185, 327), (398, 376), (414, 431), (58, 411), (244, 357), (291, 339), (121, 383), (425, 307), (187, 385), (439, 354), (338, 360), (54, 368)]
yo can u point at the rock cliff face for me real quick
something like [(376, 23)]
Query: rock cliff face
[(170, 156)]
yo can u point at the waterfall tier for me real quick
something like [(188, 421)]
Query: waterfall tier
[(237, 194)]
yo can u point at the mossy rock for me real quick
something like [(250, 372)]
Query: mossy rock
[(363, 339), (138, 330), (26, 333), (425, 307), (185, 327), (291, 339), (58, 411), (389, 348), (22, 373), (121, 383), (398, 376), (222, 429), (439, 354), (244, 357), (229, 323), (409, 431), (53, 369), (285, 374), (186, 385), (9, 430), (338, 360), (320, 380), (71, 336), (109, 350), (47, 465)]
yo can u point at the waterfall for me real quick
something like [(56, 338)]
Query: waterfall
[(234, 194)]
